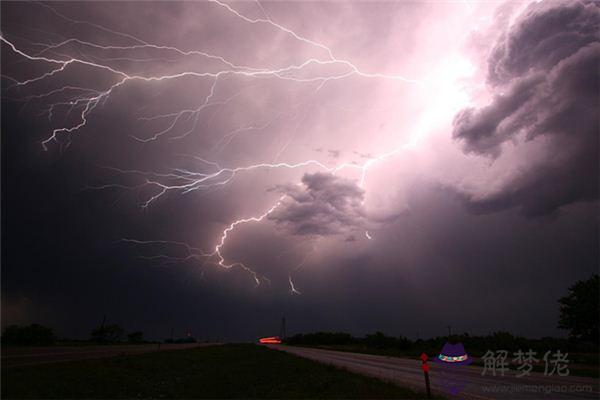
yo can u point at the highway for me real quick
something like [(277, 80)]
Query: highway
[(24, 356), (408, 373)]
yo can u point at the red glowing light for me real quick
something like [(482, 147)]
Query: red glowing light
[(270, 340)]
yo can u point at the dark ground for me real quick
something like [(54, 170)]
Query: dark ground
[(228, 371)]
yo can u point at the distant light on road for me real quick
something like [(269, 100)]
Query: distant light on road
[(270, 340)]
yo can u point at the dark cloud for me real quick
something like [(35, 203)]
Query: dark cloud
[(544, 70), (543, 35), (485, 129), (325, 204)]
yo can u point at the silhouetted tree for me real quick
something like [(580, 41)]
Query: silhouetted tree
[(580, 310), (107, 333), (475, 345), (136, 337), (380, 341), (31, 335), (321, 338)]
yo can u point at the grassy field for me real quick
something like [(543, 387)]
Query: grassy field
[(228, 371)]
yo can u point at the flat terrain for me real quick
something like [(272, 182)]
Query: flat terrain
[(23, 356), (226, 371), (408, 373)]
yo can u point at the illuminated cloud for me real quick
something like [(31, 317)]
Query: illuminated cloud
[(544, 76), (324, 205)]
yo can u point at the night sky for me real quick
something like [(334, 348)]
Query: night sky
[(211, 167)]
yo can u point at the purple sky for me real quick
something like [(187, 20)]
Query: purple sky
[(351, 165)]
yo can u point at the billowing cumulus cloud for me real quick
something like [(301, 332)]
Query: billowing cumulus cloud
[(544, 72), (545, 34), (324, 204)]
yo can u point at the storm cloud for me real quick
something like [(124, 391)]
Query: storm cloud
[(544, 73), (214, 161), (324, 204)]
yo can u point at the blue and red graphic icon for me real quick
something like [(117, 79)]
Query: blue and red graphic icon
[(452, 359)]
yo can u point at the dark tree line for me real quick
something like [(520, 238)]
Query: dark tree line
[(580, 310), (39, 335), (579, 314), (474, 344), (31, 335), (113, 333)]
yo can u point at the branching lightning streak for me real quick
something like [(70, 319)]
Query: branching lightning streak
[(353, 68), (293, 288), (231, 227), (86, 100)]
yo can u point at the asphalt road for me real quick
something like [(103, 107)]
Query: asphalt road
[(408, 373), (24, 356)]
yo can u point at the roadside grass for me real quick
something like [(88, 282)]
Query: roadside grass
[(227, 371)]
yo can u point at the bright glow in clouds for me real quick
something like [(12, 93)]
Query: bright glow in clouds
[(450, 96), (294, 101)]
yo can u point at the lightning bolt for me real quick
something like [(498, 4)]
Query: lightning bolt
[(231, 227), (86, 100), (293, 288)]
